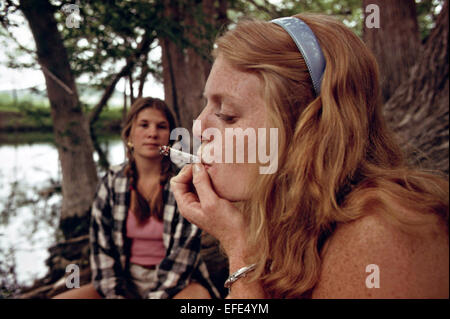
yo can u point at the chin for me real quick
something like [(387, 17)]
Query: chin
[(152, 156), (229, 192), (229, 186)]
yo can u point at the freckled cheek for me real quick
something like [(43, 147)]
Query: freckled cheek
[(231, 181)]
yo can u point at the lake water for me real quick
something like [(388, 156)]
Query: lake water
[(29, 212)]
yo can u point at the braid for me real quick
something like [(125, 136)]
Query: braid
[(166, 170), (138, 203), (131, 173), (158, 200)]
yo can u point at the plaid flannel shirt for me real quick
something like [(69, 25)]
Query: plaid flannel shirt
[(110, 247)]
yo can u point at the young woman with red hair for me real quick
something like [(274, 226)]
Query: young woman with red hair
[(342, 202)]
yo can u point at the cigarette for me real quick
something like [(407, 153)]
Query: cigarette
[(178, 155)]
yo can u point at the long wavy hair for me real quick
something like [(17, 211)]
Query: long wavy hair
[(143, 207), (337, 159)]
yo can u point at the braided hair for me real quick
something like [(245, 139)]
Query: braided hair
[(143, 207)]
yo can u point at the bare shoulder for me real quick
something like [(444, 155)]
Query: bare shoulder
[(371, 258)]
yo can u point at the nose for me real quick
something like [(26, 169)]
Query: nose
[(200, 124), (152, 131)]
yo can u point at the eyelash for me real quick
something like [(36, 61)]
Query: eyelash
[(226, 118)]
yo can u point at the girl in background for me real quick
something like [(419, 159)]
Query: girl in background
[(141, 247)]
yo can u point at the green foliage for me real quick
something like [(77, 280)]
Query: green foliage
[(427, 12), (108, 34), (348, 11)]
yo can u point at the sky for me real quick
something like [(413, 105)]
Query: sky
[(10, 78)]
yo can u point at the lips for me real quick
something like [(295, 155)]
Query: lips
[(206, 166), (199, 154)]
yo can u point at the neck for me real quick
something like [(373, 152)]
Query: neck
[(148, 168)]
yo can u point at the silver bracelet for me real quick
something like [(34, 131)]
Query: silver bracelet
[(238, 274)]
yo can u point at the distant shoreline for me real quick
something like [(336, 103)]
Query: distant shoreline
[(41, 122)]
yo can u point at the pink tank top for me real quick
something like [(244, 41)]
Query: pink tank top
[(147, 247)]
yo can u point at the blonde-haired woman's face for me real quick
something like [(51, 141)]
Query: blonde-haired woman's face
[(234, 104)]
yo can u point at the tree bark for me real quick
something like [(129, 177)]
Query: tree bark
[(125, 99), (130, 79), (395, 43), (145, 70), (418, 110), (186, 66), (71, 129)]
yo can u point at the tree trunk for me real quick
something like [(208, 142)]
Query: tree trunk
[(186, 63), (71, 129), (130, 78), (145, 70), (125, 99), (418, 110), (395, 43)]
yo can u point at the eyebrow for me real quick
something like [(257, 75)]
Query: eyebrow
[(231, 99), (160, 122)]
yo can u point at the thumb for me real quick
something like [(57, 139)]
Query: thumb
[(202, 183)]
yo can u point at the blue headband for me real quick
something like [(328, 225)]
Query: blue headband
[(308, 46)]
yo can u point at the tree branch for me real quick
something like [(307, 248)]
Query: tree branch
[(268, 8), (142, 48), (57, 80), (145, 70)]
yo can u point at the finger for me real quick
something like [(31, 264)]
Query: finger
[(182, 181), (187, 200), (189, 206), (181, 185), (184, 176), (202, 184)]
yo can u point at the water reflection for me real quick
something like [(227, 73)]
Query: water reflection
[(30, 200)]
